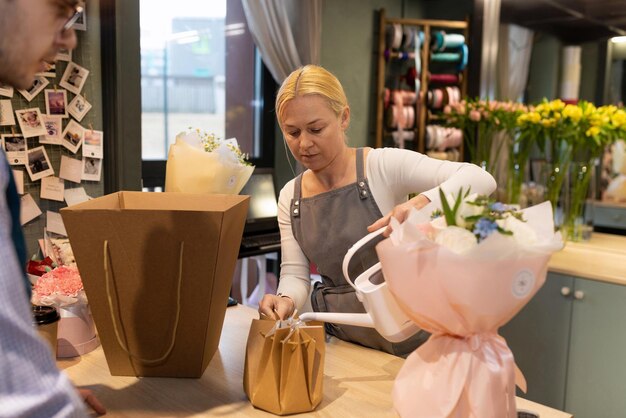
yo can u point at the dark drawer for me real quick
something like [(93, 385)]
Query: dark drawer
[(611, 217)]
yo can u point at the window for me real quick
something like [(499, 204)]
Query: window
[(200, 69)]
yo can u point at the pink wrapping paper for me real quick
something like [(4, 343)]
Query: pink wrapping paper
[(465, 369)]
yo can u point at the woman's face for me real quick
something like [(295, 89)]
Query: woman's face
[(314, 134)]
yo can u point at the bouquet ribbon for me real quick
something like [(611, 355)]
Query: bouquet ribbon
[(481, 364)]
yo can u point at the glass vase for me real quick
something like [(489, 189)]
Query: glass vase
[(519, 154), (556, 172), (580, 178)]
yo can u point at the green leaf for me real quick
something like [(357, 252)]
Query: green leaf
[(457, 201), (447, 211), (504, 231)]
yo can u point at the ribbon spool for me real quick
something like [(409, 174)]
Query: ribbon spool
[(408, 38), (442, 40), (445, 78), (437, 40), (406, 97), (386, 97), (445, 57), (400, 137), (393, 36), (454, 94), (460, 57), (401, 117), (464, 58), (441, 138), (436, 98), (453, 40)]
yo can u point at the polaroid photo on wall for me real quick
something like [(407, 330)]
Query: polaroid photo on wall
[(38, 165), (6, 90), (71, 169), (56, 102), (78, 107), (92, 168), (81, 23), (50, 70), (92, 143), (15, 148), (38, 85), (31, 122), (64, 55), (73, 136), (74, 77), (6, 113), (54, 130)]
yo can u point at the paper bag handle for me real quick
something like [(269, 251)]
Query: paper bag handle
[(107, 261)]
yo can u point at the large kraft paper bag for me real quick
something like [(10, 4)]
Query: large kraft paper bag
[(157, 270), (284, 370)]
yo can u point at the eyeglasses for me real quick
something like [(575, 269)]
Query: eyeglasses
[(78, 11)]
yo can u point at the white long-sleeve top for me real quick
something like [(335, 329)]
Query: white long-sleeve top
[(392, 175)]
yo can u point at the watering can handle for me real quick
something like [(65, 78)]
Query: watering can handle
[(355, 247)]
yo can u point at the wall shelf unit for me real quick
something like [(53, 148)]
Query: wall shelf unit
[(401, 76)]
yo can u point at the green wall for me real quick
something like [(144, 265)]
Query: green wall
[(543, 76), (545, 69), (589, 72), (349, 36)]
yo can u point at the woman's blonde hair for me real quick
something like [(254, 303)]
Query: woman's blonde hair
[(311, 79)]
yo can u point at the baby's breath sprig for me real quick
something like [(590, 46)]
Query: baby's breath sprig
[(210, 142)]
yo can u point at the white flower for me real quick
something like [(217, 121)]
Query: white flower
[(522, 233), (456, 239), (466, 209)]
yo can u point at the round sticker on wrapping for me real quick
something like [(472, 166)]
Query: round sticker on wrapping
[(523, 283), (231, 181)]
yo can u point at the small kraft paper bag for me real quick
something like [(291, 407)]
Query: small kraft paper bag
[(284, 366), (157, 269)]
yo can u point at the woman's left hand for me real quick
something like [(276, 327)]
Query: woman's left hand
[(400, 212)]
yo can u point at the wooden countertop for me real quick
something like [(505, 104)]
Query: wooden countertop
[(357, 382), (601, 258)]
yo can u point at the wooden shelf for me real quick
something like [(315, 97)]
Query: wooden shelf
[(422, 112)]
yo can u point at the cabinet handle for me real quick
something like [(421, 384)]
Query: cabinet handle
[(579, 295), (566, 291)]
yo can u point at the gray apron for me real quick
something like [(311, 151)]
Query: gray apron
[(326, 226)]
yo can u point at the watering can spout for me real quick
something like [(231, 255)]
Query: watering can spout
[(382, 310), (355, 319)]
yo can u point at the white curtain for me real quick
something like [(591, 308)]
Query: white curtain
[(287, 32), (515, 47)]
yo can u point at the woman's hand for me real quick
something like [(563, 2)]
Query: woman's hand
[(400, 212), (277, 307), (91, 401)]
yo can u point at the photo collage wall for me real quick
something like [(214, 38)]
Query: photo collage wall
[(52, 136)]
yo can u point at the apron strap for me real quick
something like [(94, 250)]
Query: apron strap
[(361, 181), (295, 202)]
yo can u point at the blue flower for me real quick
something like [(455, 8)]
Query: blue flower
[(498, 207), (484, 227)]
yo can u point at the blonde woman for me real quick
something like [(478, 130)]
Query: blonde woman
[(344, 193)]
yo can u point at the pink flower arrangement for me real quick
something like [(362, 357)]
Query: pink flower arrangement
[(61, 286)]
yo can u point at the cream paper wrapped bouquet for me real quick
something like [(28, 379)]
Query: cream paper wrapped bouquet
[(202, 163), (461, 275)]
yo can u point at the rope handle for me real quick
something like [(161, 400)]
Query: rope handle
[(107, 262)]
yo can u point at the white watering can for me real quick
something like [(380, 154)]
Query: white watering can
[(383, 312)]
